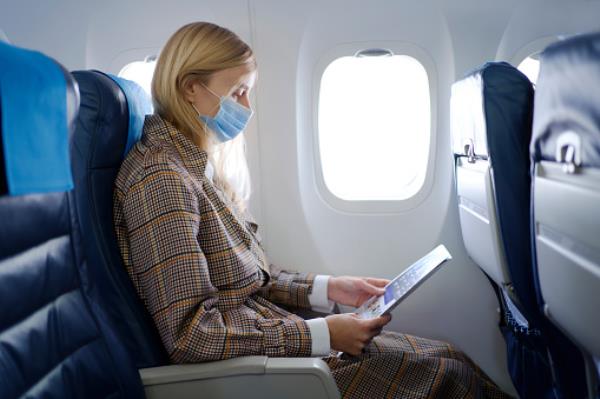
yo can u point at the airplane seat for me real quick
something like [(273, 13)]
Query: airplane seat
[(99, 145), (565, 152), (54, 339), (491, 117), (110, 121)]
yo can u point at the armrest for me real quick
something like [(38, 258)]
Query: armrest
[(312, 366), (250, 376), (246, 365)]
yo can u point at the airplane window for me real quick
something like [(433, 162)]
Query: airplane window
[(374, 126), (530, 66), (140, 72)]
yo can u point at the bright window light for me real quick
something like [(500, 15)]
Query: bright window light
[(140, 72), (374, 127), (530, 66)]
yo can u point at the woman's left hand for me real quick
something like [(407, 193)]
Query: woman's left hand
[(353, 291)]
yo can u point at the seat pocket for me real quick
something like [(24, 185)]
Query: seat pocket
[(528, 363)]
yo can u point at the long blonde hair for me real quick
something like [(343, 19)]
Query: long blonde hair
[(193, 54)]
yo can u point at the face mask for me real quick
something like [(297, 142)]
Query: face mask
[(230, 121)]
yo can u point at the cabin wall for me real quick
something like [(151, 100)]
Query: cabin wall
[(301, 230)]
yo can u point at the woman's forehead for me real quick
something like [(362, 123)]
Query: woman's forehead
[(235, 76)]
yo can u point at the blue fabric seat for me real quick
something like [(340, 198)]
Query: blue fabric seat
[(55, 339), (109, 123), (492, 111), (565, 151)]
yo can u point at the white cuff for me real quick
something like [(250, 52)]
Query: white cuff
[(318, 296), (319, 333)]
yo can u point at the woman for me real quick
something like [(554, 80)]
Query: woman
[(195, 256)]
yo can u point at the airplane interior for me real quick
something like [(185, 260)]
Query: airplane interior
[(379, 130)]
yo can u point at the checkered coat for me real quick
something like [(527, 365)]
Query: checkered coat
[(198, 265), (197, 262)]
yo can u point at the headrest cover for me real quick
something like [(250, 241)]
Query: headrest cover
[(138, 104), (467, 118), (34, 126), (493, 100), (567, 101)]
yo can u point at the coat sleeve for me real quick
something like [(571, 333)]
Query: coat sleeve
[(288, 288), (171, 273)]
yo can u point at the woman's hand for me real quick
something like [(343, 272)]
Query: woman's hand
[(353, 291), (350, 334)]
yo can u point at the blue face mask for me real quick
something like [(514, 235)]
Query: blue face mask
[(230, 121)]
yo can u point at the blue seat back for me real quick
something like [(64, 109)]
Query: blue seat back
[(565, 149), (55, 341), (108, 124), (492, 111)]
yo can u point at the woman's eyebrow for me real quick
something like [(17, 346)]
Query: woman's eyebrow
[(240, 85), (241, 82)]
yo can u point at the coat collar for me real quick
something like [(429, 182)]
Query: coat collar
[(159, 132)]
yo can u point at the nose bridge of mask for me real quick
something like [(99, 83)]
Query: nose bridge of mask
[(233, 105)]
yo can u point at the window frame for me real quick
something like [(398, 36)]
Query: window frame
[(128, 56), (143, 86), (374, 206), (536, 46)]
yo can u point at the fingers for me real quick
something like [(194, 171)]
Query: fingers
[(363, 342), (379, 322), (377, 282), (363, 332), (370, 288), (373, 327), (371, 334)]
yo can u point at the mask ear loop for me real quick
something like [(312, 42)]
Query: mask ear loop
[(221, 98), (195, 109), (211, 92), (204, 124), (214, 94)]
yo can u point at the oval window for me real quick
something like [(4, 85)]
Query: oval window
[(140, 72), (374, 127)]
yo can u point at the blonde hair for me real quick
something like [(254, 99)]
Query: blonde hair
[(193, 54)]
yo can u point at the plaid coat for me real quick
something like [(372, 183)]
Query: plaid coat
[(197, 263)]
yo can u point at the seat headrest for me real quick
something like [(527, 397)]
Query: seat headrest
[(116, 106), (567, 102), (38, 105), (139, 105), (494, 100)]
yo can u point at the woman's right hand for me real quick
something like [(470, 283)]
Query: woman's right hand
[(350, 334)]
